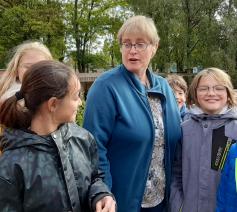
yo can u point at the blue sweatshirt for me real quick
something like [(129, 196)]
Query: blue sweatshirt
[(227, 191)]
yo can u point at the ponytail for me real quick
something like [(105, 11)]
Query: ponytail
[(13, 114)]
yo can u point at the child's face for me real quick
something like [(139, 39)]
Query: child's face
[(180, 96), (29, 58), (67, 107), (211, 95)]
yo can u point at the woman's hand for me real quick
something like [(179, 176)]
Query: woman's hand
[(106, 204)]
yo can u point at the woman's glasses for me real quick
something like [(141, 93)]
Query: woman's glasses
[(138, 46)]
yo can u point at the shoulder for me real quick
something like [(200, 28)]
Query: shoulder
[(109, 75), (160, 82), (11, 91), (188, 122), (108, 83), (11, 163), (158, 79), (80, 133)]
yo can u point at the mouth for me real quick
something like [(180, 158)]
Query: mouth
[(133, 59), (212, 100)]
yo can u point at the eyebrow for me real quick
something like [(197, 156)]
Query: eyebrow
[(26, 64)]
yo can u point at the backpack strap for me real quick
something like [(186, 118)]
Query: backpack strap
[(236, 173)]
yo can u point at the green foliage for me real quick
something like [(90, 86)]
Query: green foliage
[(34, 20), (89, 19), (193, 32), (80, 114)]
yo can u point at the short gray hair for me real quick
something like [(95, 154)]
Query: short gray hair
[(140, 25)]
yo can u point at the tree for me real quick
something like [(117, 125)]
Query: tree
[(31, 20), (88, 20), (193, 32), (228, 42)]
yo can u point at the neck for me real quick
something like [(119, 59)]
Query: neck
[(43, 125), (143, 78)]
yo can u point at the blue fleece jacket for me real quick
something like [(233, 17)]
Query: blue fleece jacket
[(227, 191), (119, 116)]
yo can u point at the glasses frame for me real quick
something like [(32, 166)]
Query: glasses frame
[(128, 46), (206, 89)]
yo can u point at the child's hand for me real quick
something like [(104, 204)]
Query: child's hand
[(106, 204)]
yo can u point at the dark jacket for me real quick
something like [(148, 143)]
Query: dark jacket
[(118, 114), (49, 173)]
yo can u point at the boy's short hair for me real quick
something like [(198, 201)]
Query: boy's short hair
[(176, 80)]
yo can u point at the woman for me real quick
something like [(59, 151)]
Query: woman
[(48, 163), (25, 55), (134, 117), (207, 136)]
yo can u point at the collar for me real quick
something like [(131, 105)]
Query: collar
[(135, 82)]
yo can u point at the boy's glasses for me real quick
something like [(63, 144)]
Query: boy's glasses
[(217, 89)]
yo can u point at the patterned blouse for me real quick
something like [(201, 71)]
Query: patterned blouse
[(155, 185)]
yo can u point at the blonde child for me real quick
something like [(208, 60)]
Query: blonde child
[(207, 136), (24, 56)]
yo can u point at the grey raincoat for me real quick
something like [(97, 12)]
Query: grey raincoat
[(194, 184)]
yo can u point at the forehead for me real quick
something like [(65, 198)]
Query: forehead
[(74, 83), (177, 88), (135, 37), (209, 80), (32, 56)]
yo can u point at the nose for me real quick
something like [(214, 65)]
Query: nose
[(211, 91), (133, 49), (177, 95)]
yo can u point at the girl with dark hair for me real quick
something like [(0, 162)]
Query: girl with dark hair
[(48, 163)]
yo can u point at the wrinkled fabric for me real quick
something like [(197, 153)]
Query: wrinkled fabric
[(155, 185), (58, 172), (118, 114), (194, 184)]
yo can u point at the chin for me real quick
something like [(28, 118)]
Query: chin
[(72, 120)]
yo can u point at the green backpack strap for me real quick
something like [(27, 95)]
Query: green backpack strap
[(236, 173)]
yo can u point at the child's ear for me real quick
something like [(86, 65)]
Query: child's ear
[(52, 104)]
